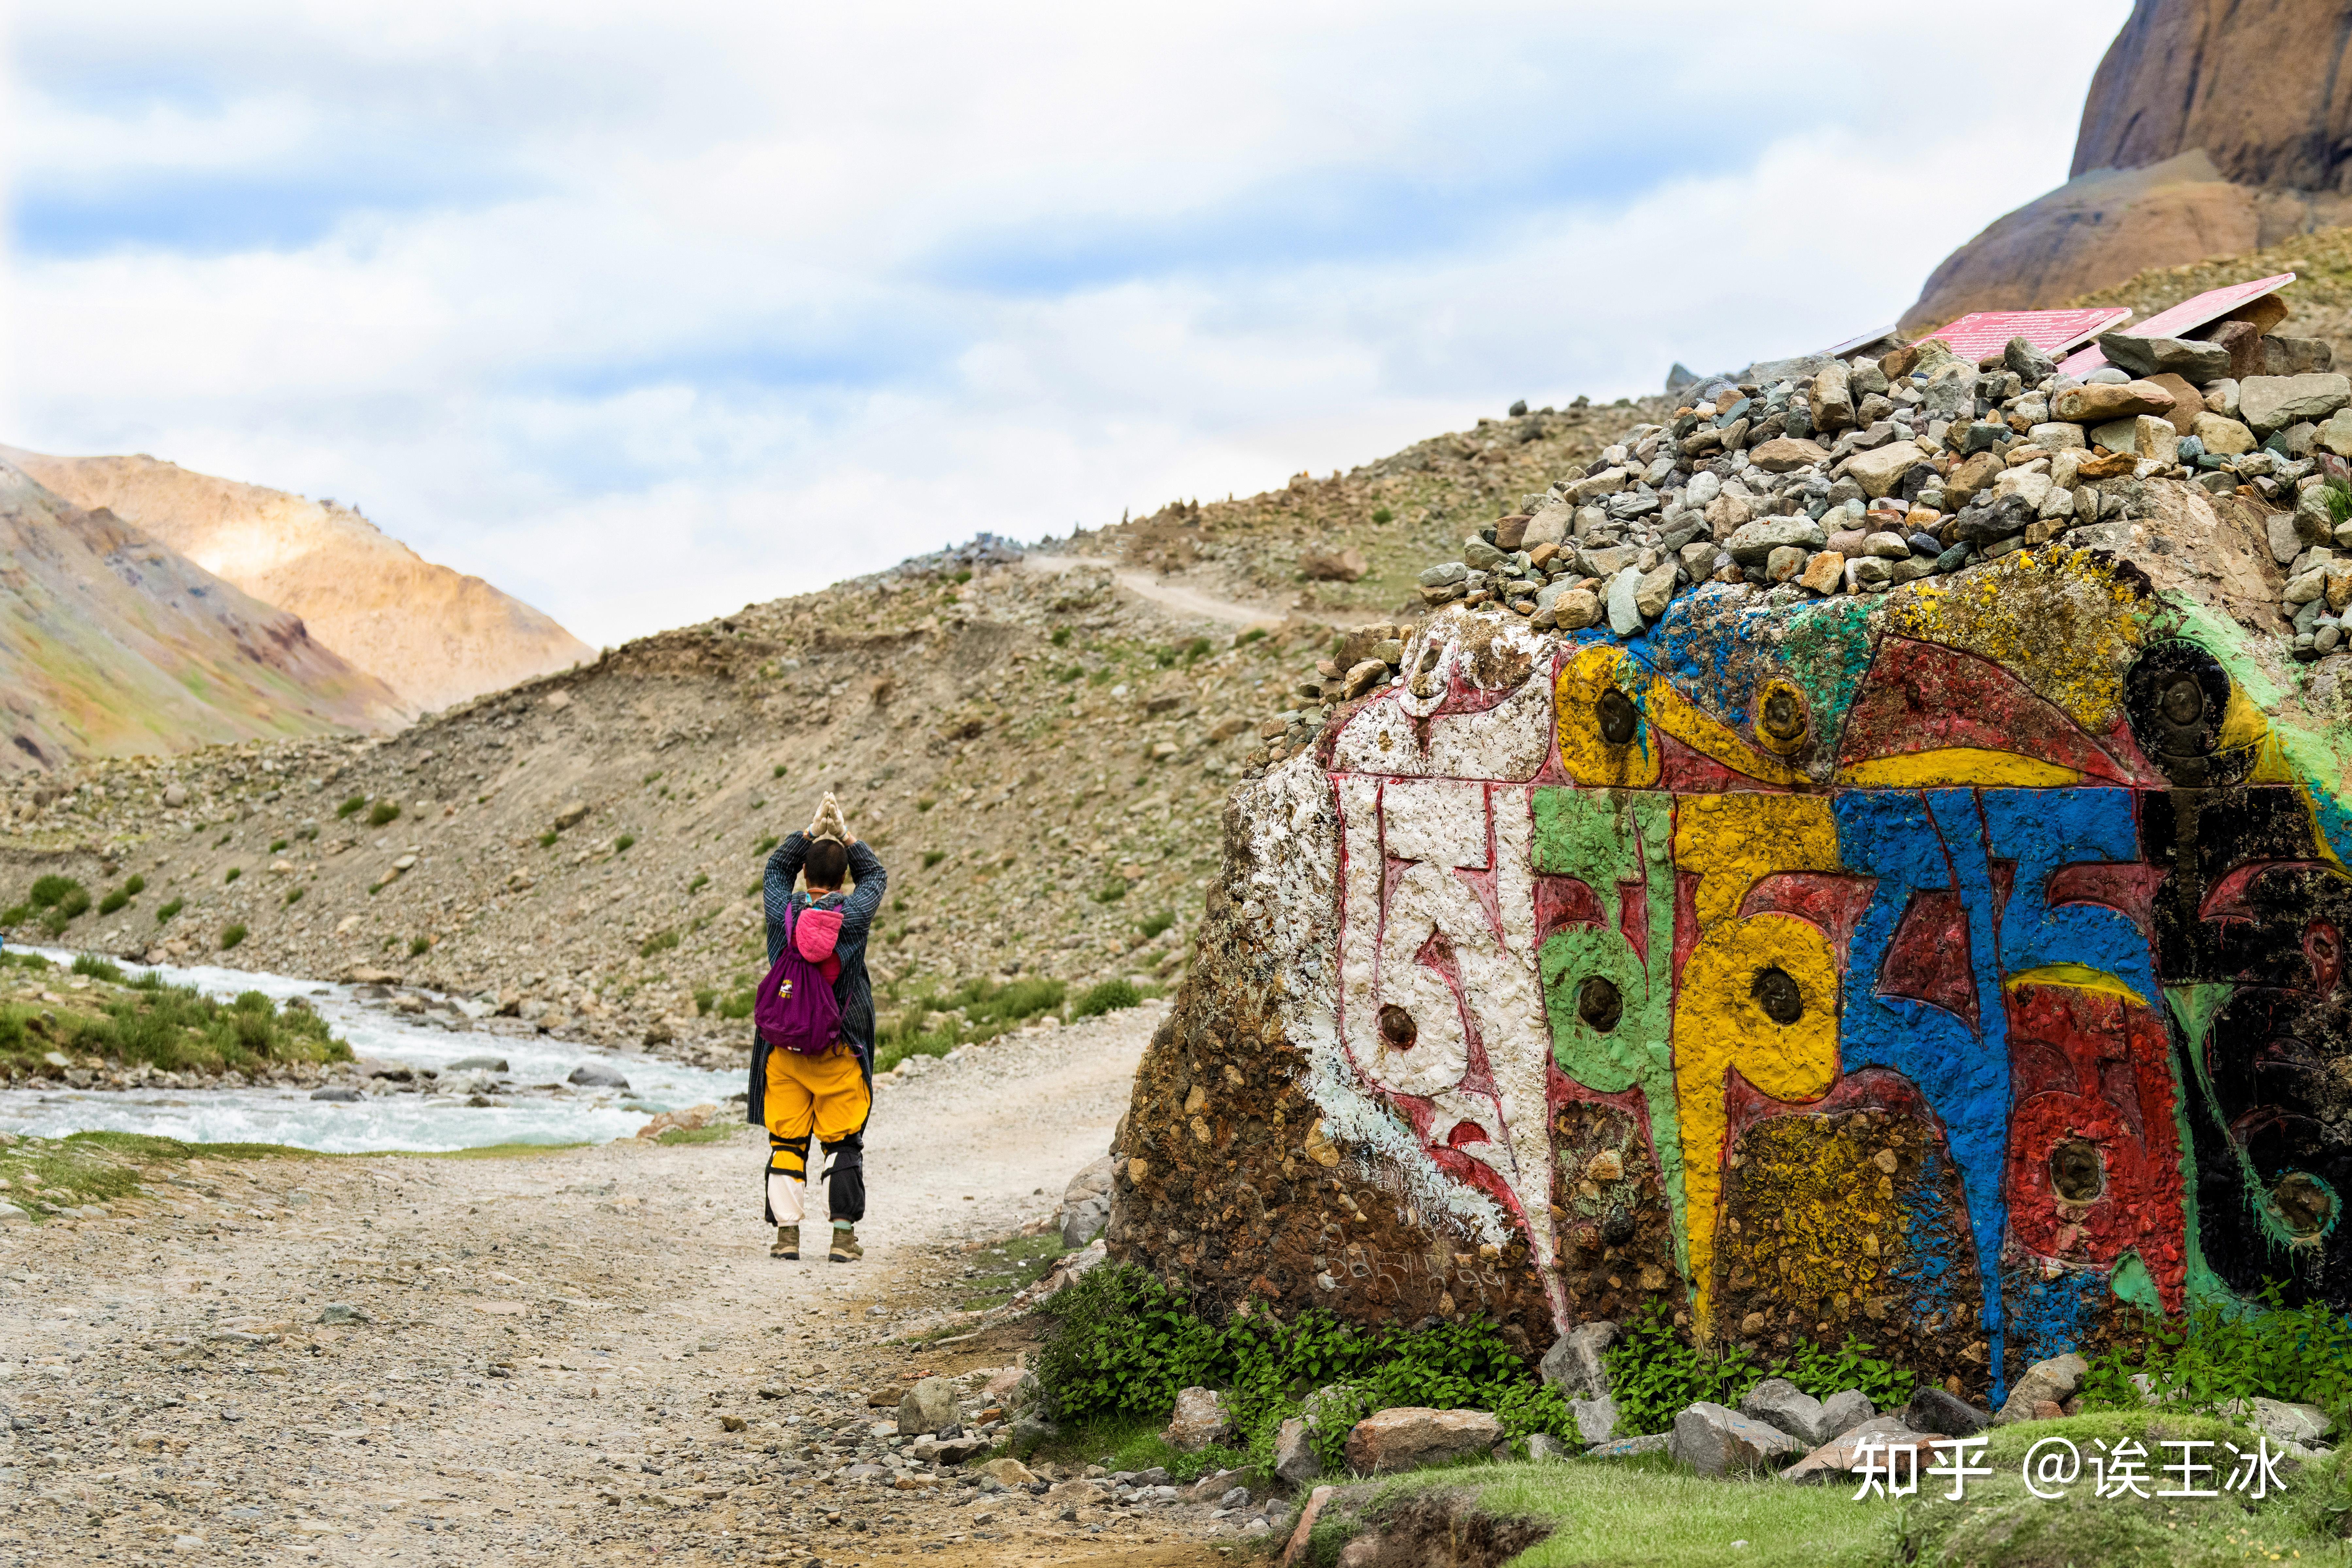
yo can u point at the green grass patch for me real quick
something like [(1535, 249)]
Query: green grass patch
[(1107, 996), (115, 898), (933, 857), (418, 946), (167, 911), (677, 1135), (174, 1028), (294, 896), (1009, 1267), (277, 845), (351, 807), (701, 881), (233, 874), (51, 890), (660, 941), (1110, 892), (231, 935), (547, 839), (621, 845), (989, 1009), (1383, 514), (383, 812), (1155, 924), (98, 968)]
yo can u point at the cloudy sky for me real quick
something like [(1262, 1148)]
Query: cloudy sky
[(646, 311)]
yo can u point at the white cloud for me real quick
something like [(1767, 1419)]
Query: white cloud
[(645, 312)]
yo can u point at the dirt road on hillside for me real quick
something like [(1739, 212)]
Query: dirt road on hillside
[(550, 1350), (1186, 601)]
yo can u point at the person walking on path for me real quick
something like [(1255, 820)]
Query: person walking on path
[(828, 1091)]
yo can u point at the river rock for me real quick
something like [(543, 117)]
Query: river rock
[(2096, 404), (1846, 1410), (1754, 543), (598, 1075), (1878, 472)]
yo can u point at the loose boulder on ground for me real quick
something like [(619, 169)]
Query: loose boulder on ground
[(2047, 1381), (1201, 1420), (1294, 1460), (1947, 1415), (1408, 1437), (1844, 1452), (929, 1405), (1782, 1404), (1715, 1441), (1574, 1364)]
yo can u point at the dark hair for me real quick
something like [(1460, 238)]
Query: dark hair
[(828, 863)]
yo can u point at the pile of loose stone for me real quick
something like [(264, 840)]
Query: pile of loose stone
[(1830, 477)]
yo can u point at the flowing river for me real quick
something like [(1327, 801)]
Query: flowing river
[(532, 1114)]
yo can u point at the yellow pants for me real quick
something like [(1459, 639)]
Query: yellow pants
[(826, 1095)]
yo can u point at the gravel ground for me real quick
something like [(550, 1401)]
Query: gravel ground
[(551, 1349)]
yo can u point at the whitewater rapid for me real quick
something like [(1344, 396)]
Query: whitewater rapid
[(433, 1122)]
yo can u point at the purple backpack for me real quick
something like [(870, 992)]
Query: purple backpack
[(796, 1009)]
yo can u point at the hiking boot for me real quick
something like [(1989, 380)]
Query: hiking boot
[(788, 1243), (845, 1245)]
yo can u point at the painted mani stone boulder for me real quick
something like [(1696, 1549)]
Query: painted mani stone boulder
[(1961, 968)]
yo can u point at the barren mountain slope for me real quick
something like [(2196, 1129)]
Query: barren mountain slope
[(111, 644), (2213, 127), (1040, 753), (435, 636)]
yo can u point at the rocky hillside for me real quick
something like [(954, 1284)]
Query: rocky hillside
[(116, 644), (2318, 304), (1039, 745), (433, 635), (2211, 127)]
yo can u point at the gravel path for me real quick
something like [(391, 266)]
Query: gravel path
[(549, 1346)]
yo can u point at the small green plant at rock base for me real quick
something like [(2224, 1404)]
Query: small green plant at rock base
[(1197, 650), (231, 936), (1157, 924), (621, 845), (135, 885), (15, 915), (294, 896), (1382, 514), (275, 845), (1107, 996), (98, 969), (384, 811), (418, 946), (547, 839), (234, 873), (2299, 1354), (705, 999), (51, 890), (933, 857), (925, 803), (168, 909), (1123, 1342), (701, 881), (1060, 638), (660, 941), (1654, 1374), (350, 805), (1254, 634), (965, 575), (113, 900), (779, 773)]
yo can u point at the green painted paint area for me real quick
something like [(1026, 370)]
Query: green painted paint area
[(2131, 1281), (1616, 841), (2193, 1009)]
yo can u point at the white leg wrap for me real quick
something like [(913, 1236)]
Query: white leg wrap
[(784, 1193)]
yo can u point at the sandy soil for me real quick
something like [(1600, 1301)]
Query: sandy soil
[(551, 1343)]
